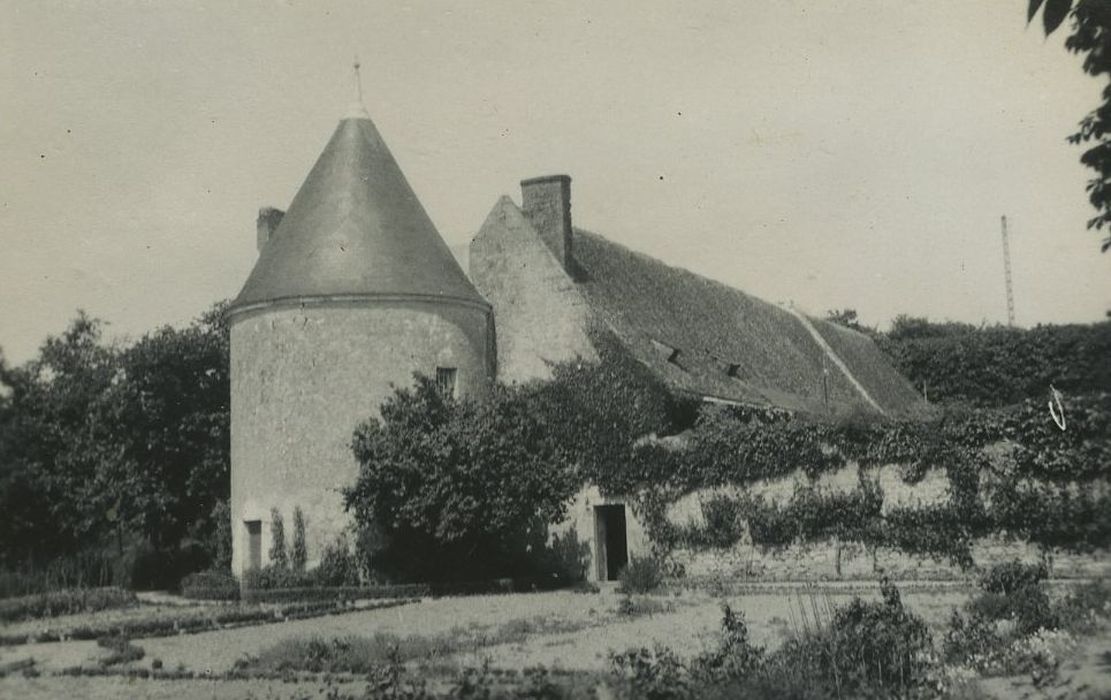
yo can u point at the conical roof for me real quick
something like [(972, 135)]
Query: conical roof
[(356, 229)]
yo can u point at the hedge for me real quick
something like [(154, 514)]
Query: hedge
[(65, 602), (189, 623), (333, 593), (210, 585), (407, 590)]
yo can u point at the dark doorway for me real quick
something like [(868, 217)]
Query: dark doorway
[(609, 537), (254, 544)]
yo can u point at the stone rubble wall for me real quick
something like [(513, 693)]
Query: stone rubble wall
[(852, 561)]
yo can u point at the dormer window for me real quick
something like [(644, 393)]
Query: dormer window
[(445, 380), (732, 370)]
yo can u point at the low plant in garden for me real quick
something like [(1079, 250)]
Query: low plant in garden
[(641, 575), (863, 649), (338, 565), (736, 656), (274, 577), (629, 606), (65, 602), (210, 585), (653, 674), (1012, 626), (121, 648), (1081, 610)]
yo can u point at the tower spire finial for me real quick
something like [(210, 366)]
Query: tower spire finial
[(358, 109)]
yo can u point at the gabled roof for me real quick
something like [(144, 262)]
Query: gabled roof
[(715, 341), (356, 229)]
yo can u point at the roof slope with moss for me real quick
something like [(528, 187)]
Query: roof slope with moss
[(705, 338)]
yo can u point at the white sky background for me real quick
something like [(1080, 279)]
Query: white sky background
[(837, 154)]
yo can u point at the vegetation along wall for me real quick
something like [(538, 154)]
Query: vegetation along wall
[(772, 498)]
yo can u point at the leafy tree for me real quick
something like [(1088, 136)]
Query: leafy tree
[(846, 318), (996, 365), (171, 405), (1090, 37), (458, 489), (221, 539), (104, 442), (54, 436)]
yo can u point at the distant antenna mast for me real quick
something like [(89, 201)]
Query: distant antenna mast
[(1007, 275)]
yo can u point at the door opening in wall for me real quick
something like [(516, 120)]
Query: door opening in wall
[(611, 548), (445, 380), (254, 544)]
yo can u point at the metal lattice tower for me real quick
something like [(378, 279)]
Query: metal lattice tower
[(1007, 276)]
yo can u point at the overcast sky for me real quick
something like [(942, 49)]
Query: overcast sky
[(837, 154)]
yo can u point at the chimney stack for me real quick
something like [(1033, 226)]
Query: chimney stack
[(268, 220), (546, 202)]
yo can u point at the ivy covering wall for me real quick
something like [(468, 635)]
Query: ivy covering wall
[(1011, 471)]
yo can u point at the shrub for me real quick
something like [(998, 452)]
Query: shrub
[(279, 559), (1039, 654), (275, 576), (338, 566), (1013, 591), (334, 593), (122, 650), (1012, 576), (65, 602), (1079, 610), (220, 545), (735, 657), (641, 575), (863, 650), (298, 554), (210, 585), (568, 557), (656, 674), (636, 607), (973, 641), (875, 645)]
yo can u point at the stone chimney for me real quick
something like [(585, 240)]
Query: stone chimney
[(546, 202), (268, 220)]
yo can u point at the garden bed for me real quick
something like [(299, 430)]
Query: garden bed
[(65, 602), (203, 619)]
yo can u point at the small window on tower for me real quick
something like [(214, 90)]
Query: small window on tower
[(445, 380)]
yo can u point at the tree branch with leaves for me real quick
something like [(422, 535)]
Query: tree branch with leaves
[(1090, 37)]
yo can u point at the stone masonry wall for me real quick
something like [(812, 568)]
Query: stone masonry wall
[(834, 561), (581, 520), (303, 378), (539, 316)]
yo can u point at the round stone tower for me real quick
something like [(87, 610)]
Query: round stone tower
[(353, 292)]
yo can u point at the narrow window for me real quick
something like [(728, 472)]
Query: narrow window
[(445, 380)]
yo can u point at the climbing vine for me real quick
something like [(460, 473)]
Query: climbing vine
[(1010, 471)]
